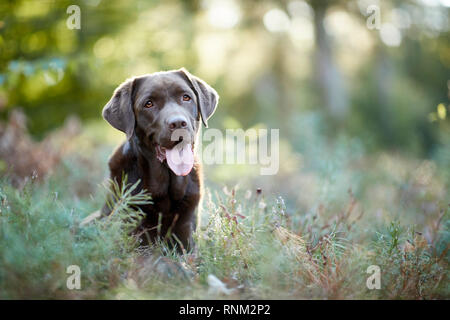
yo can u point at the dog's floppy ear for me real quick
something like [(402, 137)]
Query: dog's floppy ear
[(119, 110), (207, 97)]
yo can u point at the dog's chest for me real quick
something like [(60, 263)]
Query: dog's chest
[(174, 195)]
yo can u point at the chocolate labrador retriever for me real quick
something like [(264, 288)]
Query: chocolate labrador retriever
[(160, 114)]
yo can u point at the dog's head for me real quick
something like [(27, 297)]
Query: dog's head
[(163, 111)]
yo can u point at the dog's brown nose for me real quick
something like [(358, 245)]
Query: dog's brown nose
[(177, 122)]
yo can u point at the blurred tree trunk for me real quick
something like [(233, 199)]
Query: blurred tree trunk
[(383, 78), (329, 78), (283, 81)]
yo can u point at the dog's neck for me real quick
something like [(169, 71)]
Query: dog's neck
[(142, 151), (139, 149)]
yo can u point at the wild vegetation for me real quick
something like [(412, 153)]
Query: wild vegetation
[(250, 244)]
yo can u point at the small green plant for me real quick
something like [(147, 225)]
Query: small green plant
[(123, 202)]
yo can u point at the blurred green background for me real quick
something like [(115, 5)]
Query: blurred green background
[(269, 60), (314, 69)]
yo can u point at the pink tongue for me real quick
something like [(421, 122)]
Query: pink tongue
[(180, 159)]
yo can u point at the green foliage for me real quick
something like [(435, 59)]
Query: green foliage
[(41, 237), (252, 242), (124, 204), (411, 267)]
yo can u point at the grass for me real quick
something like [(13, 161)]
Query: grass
[(252, 244)]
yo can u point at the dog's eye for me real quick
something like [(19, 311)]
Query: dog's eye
[(186, 98), (149, 104)]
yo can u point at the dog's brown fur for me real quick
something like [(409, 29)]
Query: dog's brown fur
[(174, 197)]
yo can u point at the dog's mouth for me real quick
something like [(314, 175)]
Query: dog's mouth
[(180, 158)]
